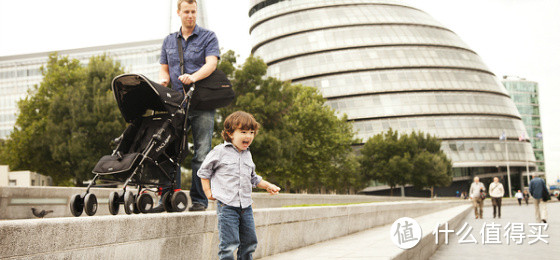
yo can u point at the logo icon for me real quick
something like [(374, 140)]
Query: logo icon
[(406, 233)]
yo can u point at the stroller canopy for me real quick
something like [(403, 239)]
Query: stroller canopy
[(135, 94)]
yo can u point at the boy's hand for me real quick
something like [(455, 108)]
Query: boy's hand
[(209, 195), (272, 189)]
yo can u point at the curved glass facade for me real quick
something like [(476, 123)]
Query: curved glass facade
[(398, 80), (356, 36), (388, 65)]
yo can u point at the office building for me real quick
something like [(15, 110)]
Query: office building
[(390, 65), (525, 95)]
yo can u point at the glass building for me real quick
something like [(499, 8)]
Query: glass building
[(525, 95), (390, 65), (19, 73)]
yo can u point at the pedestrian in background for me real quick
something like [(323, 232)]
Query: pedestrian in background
[(496, 190), (475, 193), (526, 197), (537, 188), (519, 196)]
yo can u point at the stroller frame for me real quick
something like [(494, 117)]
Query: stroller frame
[(142, 202)]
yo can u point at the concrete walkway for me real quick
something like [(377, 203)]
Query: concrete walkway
[(510, 214), (376, 243)]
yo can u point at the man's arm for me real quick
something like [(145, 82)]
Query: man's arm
[(202, 73), (164, 75)]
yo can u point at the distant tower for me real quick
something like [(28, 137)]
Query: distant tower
[(389, 65), (525, 95)]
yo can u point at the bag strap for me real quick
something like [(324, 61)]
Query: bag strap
[(181, 60)]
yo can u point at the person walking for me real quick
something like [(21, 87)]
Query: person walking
[(519, 196), (526, 197), (537, 188), (496, 190), (475, 193), (200, 55)]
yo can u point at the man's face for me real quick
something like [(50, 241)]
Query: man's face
[(476, 179), (496, 180), (187, 13)]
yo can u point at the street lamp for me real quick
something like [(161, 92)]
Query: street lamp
[(504, 137)]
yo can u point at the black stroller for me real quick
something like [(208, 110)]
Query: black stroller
[(148, 153)]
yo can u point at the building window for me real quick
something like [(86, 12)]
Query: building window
[(13, 183), (32, 182)]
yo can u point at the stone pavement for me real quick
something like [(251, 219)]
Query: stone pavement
[(376, 244), (510, 214)]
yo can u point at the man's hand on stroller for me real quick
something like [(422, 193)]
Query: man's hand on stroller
[(187, 79)]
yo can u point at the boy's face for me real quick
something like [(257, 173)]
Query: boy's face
[(241, 139)]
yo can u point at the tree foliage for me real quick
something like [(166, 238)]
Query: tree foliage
[(302, 144), (400, 159), (65, 125)]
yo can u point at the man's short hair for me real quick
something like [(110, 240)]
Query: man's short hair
[(239, 120), (179, 2)]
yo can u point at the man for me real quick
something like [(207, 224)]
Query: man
[(496, 190), (201, 53), (537, 187), (475, 193)]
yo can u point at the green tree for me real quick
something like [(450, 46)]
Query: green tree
[(432, 168), (400, 159), (65, 125), (302, 145)]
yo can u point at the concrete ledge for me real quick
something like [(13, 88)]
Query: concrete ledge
[(16, 202), (376, 243), (193, 235), (427, 246)]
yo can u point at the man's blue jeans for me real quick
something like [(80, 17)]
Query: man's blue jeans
[(236, 228), (201, 123)]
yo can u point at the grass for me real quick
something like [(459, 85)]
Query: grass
[(321, 205)]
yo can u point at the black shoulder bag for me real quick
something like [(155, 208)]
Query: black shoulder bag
[(545, 193), (214, 91)]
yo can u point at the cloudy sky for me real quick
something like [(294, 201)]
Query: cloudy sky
[(513, 37)]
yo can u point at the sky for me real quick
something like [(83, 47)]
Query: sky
[(513, 37)]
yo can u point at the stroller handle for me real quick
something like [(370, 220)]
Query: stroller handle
[(188, 94)]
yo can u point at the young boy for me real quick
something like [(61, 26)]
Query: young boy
[(228, 175)]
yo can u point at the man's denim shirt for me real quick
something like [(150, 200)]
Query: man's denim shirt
[(231, 173), (201, 44)]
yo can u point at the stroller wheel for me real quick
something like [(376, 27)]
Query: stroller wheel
[(114, 203), (76, 205), (129, 202), (144, 203), (90, 204), (179, 201), (167, 205), (135, 210)]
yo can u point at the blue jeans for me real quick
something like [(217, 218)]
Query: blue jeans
[(202, 126), (236, 228)]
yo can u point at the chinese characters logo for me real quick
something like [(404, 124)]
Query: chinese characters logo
[(406, 233)]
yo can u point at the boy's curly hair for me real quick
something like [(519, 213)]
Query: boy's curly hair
[(239, 120)]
